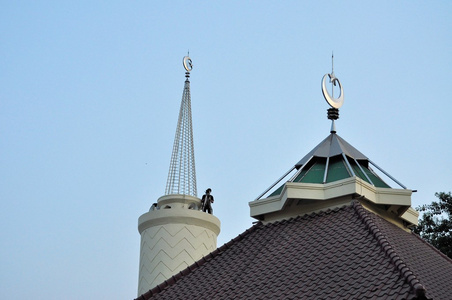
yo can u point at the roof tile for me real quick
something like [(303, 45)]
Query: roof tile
[(347, 252)]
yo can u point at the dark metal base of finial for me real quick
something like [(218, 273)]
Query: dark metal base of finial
[(333, 113)]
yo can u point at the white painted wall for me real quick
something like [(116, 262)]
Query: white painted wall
[(173, 238)]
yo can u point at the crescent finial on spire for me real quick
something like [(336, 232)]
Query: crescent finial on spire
[(188, 65), (335, 103)]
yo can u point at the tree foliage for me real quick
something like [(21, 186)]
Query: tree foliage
[(435, 225)]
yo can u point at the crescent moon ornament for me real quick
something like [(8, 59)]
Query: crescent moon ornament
[(188, 64), (333, 102)]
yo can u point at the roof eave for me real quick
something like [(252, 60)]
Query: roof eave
[(353, 187)]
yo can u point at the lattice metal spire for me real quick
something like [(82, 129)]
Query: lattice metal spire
[(182, 173)]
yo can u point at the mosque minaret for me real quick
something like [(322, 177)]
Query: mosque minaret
[(175, 233)]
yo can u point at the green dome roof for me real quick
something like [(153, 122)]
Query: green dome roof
[(332, 160)]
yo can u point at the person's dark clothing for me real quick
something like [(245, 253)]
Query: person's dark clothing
[(207, 201)]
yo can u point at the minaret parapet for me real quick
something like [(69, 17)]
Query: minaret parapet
[(177, 200)]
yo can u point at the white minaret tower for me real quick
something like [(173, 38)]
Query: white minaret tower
[(175, 233)]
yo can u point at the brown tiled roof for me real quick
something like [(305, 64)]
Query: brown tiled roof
[(346, 253)]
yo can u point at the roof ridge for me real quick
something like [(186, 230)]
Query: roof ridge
[(173, 279), (311, 215), (386, 246)]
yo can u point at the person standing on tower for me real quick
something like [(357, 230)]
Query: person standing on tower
[(206, 201)]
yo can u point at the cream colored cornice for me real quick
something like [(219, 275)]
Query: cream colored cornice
[(179, 216), (354, 187)]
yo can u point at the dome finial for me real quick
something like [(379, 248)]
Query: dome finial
[(335, 103)]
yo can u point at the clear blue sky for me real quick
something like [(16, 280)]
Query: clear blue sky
[(89, 100)]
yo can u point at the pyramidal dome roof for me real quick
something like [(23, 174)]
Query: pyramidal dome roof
[(331, 173), (335, 159), (331, 146), (332, 160)]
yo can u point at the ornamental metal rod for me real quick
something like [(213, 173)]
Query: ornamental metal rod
[(300, 170), (384, 172), (326, 168), (362, 170), (332, 74), (281, 178), (348, 164)]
